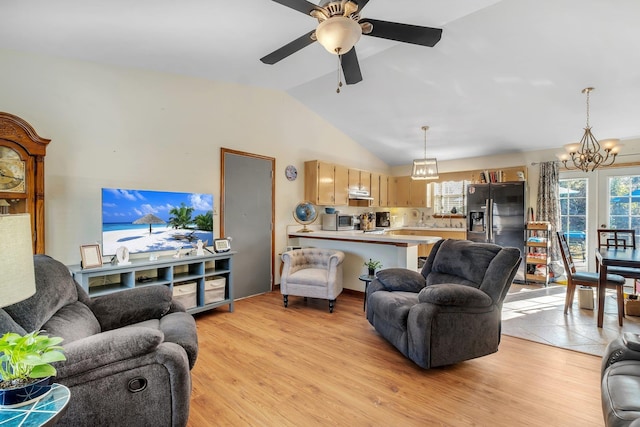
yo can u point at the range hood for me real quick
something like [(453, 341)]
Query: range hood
[(359, 195)]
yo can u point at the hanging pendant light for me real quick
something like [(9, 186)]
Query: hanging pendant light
[(426, 168), (586, 155)]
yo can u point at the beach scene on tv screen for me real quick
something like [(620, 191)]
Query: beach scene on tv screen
[(150, 221)]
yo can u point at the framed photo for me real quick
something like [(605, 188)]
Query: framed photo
[(221, 245), (91, 257)]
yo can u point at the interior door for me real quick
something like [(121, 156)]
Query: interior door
[(247, 212)]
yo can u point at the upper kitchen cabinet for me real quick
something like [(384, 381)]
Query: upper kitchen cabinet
[(326, 183), (341, 187), (409, 192), (375, 189), (403, 191), (384, 191), (359, 180), (392, 198), (418, 193)]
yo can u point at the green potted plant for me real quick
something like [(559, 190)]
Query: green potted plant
[(25, 367), (372, 266)]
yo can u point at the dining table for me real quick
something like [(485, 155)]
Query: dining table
[(613, 257)]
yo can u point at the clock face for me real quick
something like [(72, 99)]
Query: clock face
[(12, 171), (291, 173)]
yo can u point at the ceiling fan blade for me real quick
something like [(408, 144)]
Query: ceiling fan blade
[(300, 5), (288, 49), (351, 67), (424, 36), (361, 4)]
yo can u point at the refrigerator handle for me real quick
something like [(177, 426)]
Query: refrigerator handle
[(487, 224), (490, 220)]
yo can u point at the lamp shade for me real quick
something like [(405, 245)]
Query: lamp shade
[(17, 277), (425, 169), (338, 34)]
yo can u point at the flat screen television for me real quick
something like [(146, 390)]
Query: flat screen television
[(150, 221)]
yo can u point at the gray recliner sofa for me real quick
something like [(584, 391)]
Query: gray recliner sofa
[(129, 353), (449, 312), (621, 381)]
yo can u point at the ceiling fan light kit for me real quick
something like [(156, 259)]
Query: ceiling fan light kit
[(586, 155), (339, 29), (426, 168), (338, 35)]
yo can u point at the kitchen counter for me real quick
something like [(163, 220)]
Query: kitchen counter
[(417, 228), (391, 250), (361, 236)]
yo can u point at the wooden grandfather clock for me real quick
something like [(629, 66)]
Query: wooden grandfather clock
[(22, 154)]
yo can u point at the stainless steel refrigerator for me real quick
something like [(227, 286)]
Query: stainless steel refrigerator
[(496, 214)]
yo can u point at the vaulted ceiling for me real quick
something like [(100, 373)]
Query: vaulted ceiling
[(506, 76)]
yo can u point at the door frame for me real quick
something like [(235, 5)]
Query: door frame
[(224, 151)]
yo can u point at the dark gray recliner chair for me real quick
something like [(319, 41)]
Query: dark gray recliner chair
[(620, 385), (129, 353), (449, 312)]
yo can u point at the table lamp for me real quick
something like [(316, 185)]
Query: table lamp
[(17, 277)]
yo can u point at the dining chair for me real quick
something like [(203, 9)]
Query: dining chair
[(616, 238), (619, 239), (587, 278)]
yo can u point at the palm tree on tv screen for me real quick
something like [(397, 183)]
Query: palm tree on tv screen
[(181, 216), (204, 222)]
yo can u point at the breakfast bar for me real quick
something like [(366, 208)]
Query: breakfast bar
[(358, 246)]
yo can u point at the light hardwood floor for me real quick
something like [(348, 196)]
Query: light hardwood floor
[(265, 365)]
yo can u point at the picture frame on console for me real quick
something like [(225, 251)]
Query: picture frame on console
[(222, 245), (91, 257)]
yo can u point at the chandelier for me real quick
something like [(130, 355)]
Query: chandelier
[(426, 168), (587, 155)]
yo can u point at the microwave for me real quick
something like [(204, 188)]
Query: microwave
[(338, 222)]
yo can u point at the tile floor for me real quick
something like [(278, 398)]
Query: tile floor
[(536, 314)]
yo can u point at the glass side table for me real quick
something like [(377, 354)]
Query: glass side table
[(366, 278), (44, 412)]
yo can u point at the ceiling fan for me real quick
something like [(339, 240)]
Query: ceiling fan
[(339, 29)]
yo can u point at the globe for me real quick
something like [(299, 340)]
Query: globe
[(305, 213)]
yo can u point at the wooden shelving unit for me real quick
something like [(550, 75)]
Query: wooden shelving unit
[(537, 248)]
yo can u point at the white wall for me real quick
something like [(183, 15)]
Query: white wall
[(124, 128)]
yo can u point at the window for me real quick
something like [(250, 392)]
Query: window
[(448, 195), (573, 217), (624, 202)]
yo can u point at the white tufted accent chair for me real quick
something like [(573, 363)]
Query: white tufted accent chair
[(313, 273)]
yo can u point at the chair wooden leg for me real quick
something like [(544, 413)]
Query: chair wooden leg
[(620, 297), (568, 301), (332, 303), (286, 300)]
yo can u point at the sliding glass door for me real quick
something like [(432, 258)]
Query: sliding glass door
[(607, 198)]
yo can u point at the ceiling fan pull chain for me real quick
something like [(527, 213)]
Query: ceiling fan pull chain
[(339, 68)]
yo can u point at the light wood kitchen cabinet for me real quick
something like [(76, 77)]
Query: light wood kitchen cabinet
[(341, 187), (418, 193), (403, 191), (359, 180), (375, 189), (384, 191), (392, 198), (409, 193), (326, 183)]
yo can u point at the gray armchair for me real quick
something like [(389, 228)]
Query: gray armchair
[(313, 273), (449, 312), (129, 354)]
